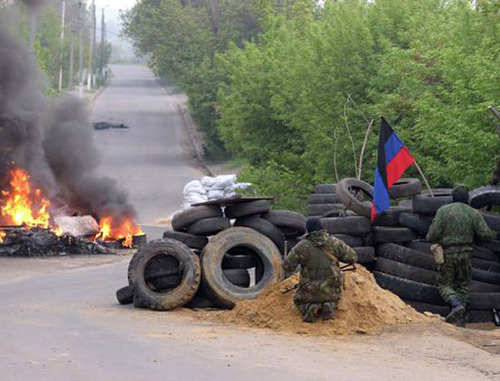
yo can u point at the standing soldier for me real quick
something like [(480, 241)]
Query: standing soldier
[(454, 228), (318, 256)]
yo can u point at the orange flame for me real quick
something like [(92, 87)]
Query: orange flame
[(2, 236), (23, 206), (113, 230)]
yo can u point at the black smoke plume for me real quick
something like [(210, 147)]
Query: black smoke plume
[(52, 141)]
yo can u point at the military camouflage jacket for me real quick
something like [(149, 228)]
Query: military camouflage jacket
[(456, 225), (314, 263)]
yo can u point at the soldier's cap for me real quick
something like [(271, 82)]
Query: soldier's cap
[(460, 192), (314, 224)]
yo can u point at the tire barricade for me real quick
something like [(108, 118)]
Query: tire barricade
[(394, 247), (213, 257)]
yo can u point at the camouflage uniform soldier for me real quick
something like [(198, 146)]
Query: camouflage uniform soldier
[(320, 276), (454, 228)]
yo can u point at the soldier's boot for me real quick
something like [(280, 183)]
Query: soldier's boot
[(461, 322), (302, 308), (328, 310), (457, 310), (312, 310)]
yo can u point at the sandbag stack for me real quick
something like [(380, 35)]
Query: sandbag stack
[(211, 188)]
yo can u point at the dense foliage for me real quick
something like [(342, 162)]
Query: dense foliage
[(290, 87)]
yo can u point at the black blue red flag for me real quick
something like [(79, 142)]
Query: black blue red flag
[(393, 160)]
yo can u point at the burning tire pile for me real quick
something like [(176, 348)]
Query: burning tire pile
[(216, 255), (394, 248)]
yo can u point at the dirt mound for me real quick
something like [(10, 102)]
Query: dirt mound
[(364, 308)]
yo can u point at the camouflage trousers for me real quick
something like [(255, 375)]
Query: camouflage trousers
[(323, 296), (454, 276)]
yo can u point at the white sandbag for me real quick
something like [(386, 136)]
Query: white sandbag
[(195, 198), (241, 186), (214, 194), (196, 191), (193, 185), (224, 181), (80, 226), (207, 182)]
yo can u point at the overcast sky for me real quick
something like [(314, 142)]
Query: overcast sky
[(114, 4)]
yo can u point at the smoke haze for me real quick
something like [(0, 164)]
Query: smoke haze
[(52, 141)]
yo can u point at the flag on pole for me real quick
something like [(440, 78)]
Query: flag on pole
[(393, 160)]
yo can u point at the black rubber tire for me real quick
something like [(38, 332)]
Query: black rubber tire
[(264, 227), (406, 255), (413, 222), (384, 234), (484, 265), (217, 286), (426, 307), (424, 203), (368, 240), (238, 277), (201, 300), (209, 226), (325, 188), (291, 224), (366, 254), (353, 225), (419, 245), (476, 286), (164, 283), (405, 187), (181, 220), (484, 300), (350, 240), (471, 316), (408, 204), (405, 271), (485, 253), (408, 289), (479, 316), (245, 209), (348, 185), (323, 198), (322, 209), (178, 296), (426, 217), (492, 220), (157, 267), (390, 217), (196, 242), (486, 276), (493, 246), (488, 195), (238, 261), (125, 295)]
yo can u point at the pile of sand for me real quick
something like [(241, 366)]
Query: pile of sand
[(364, 308)]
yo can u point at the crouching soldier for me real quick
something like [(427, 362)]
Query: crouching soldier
[(320, 285)]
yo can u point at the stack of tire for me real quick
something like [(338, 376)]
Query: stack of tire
[(213, 258), (402, 261)]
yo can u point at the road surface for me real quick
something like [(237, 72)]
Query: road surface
[(59, 319)]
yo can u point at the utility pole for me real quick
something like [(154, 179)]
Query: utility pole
[(32, 31), (94, 26), (80, 44), (103, 40), (63, 15), (72, 47), (91, 55)]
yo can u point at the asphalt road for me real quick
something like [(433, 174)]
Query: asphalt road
[(147, 159), (61, 322)]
